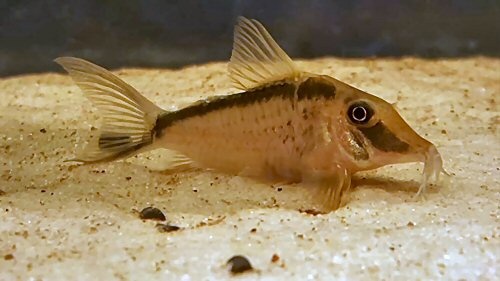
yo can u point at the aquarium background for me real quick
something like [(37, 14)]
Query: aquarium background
[(174, 34)]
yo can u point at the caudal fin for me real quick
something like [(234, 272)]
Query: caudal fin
[(129, 118)]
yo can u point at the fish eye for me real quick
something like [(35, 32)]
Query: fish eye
[(360, 113)]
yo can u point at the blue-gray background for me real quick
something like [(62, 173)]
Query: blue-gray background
[(154, 33)]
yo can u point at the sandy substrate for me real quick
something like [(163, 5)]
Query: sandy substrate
[(64, 222)]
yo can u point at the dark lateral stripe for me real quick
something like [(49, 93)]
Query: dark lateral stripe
[(203, 107), (312, 87), (316, 87), (383, 139)]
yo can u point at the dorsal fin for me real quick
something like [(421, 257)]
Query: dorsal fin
[(256, 58)]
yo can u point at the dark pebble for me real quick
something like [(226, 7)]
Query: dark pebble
[(165, 227), (239, 264), (43, 131), (8, 257), (2, 192), (151, 213)]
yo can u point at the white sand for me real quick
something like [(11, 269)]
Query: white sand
[(59, 222)]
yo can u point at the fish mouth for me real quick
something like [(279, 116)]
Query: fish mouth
[(433, 167)]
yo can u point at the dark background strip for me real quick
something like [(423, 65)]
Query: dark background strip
[(156, 33)]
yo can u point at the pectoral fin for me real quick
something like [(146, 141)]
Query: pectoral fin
[(328, 186)]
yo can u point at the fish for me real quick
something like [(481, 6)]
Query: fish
[(283, 125)]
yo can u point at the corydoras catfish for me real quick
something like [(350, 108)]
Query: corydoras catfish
[(285, 125)]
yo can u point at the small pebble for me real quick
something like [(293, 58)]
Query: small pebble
[(151, 213), (8, 257), (165, 227), (2, 192), (275, 258), (239, 264), (43, 131)]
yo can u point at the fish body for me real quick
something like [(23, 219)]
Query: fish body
[(286, 124), (267, 132)]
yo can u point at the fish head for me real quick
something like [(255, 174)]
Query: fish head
[(375, 134)]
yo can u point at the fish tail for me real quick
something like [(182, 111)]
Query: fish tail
[(129, 118)]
